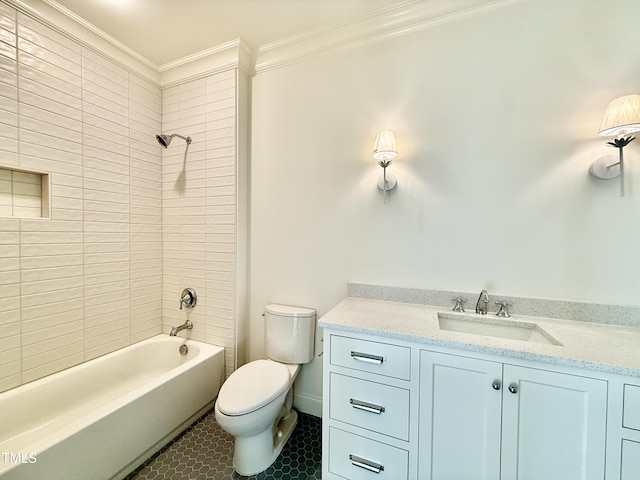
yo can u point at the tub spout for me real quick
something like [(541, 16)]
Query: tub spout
[(188, 325)]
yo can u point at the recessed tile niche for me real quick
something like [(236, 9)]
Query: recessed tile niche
[(24, 194)]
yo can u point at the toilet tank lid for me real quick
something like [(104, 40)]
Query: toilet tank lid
[(289, 311)]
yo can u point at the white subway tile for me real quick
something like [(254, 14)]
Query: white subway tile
[(31, 28), (42, 368), (73, 126), (55, 332), (107, 308), (48, 63), (8, 51), (68, 84), (93, 62), (50, 106)]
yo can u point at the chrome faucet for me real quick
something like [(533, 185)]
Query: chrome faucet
[(188, 325), (188, 299), (483, 300)]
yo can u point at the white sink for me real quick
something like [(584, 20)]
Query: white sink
[(492, 326)]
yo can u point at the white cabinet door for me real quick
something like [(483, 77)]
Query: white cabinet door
[(630, 460), (554, 425), (460, 406)]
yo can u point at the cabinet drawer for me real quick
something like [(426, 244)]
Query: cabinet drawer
[(369, 405), (375, 357), (631, 407), (356, 458)]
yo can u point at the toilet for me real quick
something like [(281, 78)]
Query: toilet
[(255, 403)]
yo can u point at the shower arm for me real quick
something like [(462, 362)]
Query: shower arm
[(186, 139)]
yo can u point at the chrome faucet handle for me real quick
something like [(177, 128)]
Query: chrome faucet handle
[(458, 305), (188, 298), (502, 311)]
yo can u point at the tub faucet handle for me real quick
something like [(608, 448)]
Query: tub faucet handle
[(188, 298)]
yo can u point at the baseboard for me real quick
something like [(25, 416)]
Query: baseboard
[(308, 404)]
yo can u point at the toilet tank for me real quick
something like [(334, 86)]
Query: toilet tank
[(289, 333)]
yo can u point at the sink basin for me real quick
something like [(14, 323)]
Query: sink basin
[(493, 326)]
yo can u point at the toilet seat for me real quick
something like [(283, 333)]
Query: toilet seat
[(252, 386)]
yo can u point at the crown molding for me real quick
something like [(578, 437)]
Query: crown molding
[(233, 54), (391, 22)]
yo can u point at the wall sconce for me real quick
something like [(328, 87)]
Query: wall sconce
[(621, 118), (384, 150)]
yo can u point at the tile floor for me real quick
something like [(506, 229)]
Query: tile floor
[(204, 451)]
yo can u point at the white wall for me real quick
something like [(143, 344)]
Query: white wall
[(495, 117)]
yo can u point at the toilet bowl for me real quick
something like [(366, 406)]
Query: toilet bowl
[(255, 407), (255, 403)]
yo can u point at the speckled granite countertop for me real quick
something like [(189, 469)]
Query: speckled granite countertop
[(605, 348)]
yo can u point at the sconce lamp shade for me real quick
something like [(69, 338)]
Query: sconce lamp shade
[(385, 146), (621, 117)]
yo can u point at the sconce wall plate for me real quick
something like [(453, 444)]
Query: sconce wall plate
[(390, 184), (605, 168)]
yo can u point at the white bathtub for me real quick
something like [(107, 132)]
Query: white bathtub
[(101, 419)]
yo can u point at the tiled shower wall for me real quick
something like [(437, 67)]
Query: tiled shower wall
[(126, 218), (88, 280), (200, 207)]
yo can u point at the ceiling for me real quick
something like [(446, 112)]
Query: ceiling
[(164, 31)]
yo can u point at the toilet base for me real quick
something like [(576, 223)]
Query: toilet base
[(252, 455)]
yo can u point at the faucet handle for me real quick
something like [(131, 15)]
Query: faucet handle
[(188, 298), (458, 305), (503, 312)]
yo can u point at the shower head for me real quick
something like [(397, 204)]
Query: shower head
[(165, 140)]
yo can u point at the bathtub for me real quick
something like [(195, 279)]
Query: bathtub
[(101, 419)]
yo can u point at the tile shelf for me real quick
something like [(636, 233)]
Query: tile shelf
[(24, 193)]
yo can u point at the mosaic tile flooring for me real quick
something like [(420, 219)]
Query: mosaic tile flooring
[(204, 451)]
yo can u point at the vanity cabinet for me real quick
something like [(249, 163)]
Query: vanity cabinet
[(488, 420), (396, 410)]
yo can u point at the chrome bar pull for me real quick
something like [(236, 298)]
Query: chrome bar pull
[(366, 406), (367, 357), (366, 464)]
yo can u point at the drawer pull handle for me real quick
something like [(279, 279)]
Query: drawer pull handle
[(367, 357), (366, 406), (366, 464)]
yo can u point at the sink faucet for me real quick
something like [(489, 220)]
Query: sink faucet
[(483, 300), (188, 325)]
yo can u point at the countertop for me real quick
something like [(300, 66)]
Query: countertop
[(594, 346)]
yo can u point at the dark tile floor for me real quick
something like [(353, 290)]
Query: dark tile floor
[(204, 451)]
